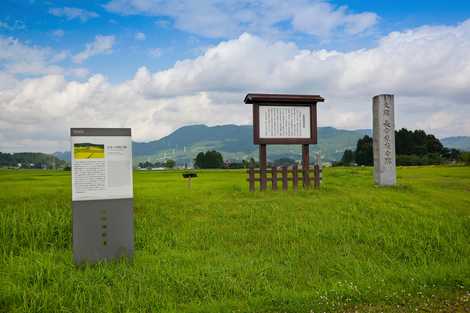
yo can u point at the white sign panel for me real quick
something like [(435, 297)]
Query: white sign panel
[(284, 122), (101, 167)]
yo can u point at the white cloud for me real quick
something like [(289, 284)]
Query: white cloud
[(233, 17), (19, 58), (140, 36), (428, 69), (58, 33), (16, 25), (322, 18), (162, 23), (101, 45), (440, 120), (79, 72), (155, 52), (73, 13)]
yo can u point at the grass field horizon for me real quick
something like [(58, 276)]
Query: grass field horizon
[(349, 246)]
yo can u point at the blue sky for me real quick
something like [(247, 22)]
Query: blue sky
[(172, 59), (175, 44)]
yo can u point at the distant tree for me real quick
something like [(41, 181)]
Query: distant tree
[(412, 148), (31, 160), (364, 153), (451, 154), (465, 158), (348, 157), (170, 163), (454, 154), (416, 142), (7, 159), (235, 165), (433, 158), (200, 160), (404, 143), (210, 159), (284, 162), (146, 164), (253, 163)]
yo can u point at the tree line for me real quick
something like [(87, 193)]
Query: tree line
[(149, 165), (214, 159), (30, 160), (412, 148)]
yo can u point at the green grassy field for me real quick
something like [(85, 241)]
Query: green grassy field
[(347, 247)]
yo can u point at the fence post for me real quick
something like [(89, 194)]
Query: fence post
[(295, 177), (305, 166), (251, 176), (284, 178), (316, 175), (319, 170), (274, 178), (262, 166)]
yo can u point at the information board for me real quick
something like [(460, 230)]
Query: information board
[(101, 167), (102, 194), (284, 122)]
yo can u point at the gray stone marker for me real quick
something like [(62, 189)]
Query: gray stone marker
[(384, 140), (102, 194)]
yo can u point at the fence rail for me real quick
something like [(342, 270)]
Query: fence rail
[(285, 175)]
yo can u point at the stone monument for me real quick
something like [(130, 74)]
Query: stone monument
[(384, 140)]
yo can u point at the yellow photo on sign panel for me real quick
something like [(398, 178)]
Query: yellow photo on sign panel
[(88, 151)]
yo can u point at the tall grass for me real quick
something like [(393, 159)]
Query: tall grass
[(219, 248)]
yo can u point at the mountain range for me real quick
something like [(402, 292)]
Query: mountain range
[(235, 142), (457, 142)]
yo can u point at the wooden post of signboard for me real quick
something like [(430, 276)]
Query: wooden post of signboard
[(305, 166), (284, 178), (274, 177), (262, 166), (251, 174), (295, 177), (317, 176)]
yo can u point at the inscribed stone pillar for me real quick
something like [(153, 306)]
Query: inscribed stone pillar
[(384, 140)]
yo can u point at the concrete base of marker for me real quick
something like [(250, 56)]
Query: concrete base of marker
[(384, 140), (102, 230)]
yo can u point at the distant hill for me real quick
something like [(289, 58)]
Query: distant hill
[(459, 142), (65, 156), (236, 143)]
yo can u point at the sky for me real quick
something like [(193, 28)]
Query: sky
[(157, 65)]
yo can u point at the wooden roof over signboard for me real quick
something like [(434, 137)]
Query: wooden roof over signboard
[(281, 98)]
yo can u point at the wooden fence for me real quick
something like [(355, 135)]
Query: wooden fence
[(284, 175)]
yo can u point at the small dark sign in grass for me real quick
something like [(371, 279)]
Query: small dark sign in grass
[(189, 176)]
